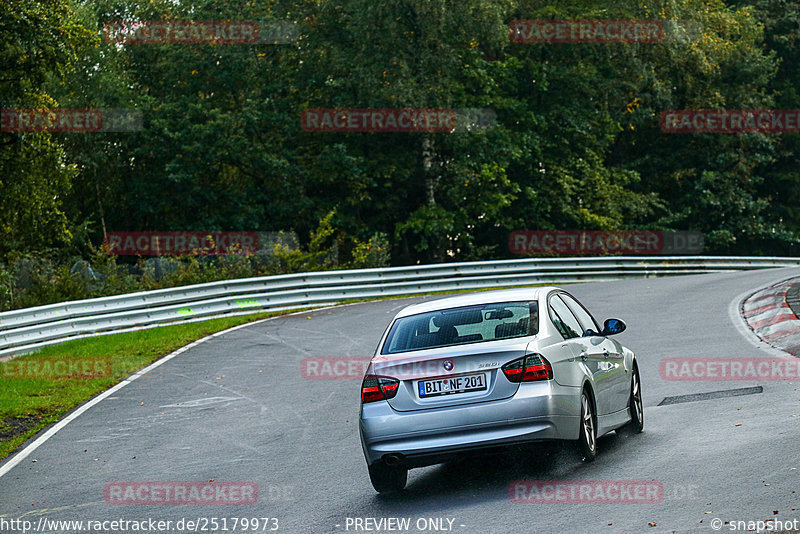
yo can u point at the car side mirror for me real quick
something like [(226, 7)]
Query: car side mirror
[(612, 326)]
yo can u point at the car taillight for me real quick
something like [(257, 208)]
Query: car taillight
[(528, 369), (376, 388)]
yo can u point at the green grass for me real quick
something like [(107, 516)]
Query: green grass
[(29, 405)]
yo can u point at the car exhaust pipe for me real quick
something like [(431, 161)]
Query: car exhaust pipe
[(393, 459)]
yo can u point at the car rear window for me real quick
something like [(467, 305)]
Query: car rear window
[(458, 326)]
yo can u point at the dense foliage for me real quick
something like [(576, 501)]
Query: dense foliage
[(577, 142)]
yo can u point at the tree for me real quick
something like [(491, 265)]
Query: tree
[(39, 39)]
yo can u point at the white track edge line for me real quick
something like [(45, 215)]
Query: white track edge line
[(17, 458)]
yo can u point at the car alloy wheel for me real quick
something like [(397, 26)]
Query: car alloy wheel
[(587, 440), (635, 406)]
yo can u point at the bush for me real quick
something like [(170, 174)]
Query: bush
[(374, 253), (30, 280)]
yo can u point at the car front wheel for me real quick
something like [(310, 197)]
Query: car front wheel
[(635, 406)]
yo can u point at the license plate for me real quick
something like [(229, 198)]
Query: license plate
[(451, 385)]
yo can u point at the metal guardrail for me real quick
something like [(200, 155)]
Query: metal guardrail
[(26, 329)]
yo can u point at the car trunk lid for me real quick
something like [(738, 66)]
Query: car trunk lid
[(449, 376)]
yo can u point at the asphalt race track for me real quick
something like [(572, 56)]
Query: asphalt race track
[(236, 408)]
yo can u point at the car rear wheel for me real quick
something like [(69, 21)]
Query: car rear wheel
[(635, 405), (586, 446), (387, 479)]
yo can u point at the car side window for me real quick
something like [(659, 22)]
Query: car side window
[(565, 321), (584, 317)]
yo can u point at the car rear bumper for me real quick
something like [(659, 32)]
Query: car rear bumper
[(539, 411)]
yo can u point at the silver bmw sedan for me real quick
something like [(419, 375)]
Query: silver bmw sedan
[(493, 369)]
